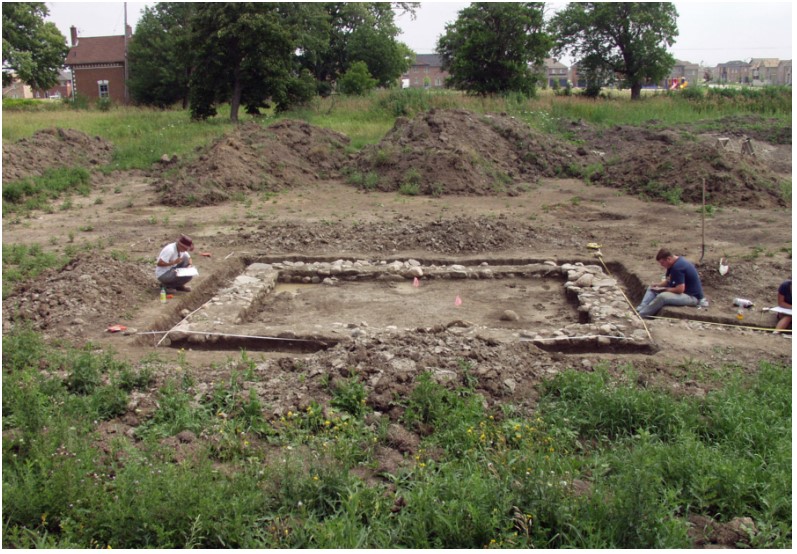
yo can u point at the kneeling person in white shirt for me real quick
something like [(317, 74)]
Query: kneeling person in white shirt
[(174, 256)]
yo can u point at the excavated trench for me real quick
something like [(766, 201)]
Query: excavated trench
[(303, 305)]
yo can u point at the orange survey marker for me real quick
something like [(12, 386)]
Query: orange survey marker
[(116, 328), (206, 254)]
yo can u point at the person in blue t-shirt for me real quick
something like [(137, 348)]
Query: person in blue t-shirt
[(680, 286), (784, 301)]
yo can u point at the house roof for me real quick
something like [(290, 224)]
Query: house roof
[(764, 62), (432, 60), (551, 63), (90, 50)]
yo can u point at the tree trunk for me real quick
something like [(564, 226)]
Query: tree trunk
[(636, 91), (235, 101), (186, 95)]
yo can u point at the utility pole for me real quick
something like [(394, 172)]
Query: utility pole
[(127, 99)]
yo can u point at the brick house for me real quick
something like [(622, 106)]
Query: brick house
[(764, 71), (98, 66), (62, 90), (733, 72), (425, 72), (555, 73)]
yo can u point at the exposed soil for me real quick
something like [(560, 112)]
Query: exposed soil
[(286, 154), (51, 148), (459, 152), (490, 189)]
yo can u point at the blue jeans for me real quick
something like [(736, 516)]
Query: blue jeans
[(170, 279), (654, 301)]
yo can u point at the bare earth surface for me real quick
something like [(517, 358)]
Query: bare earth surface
[(491, 190)]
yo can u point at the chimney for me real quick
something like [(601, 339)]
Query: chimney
[(73, 31)]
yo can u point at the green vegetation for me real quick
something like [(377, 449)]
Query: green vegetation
[(411, 184), (356, 81), (636, 49), (33, 50), (492, 48), (22, 263), (602, 464), (140, 135), (36, 192)]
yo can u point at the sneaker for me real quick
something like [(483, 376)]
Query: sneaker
[(183, 288), (703, 302)]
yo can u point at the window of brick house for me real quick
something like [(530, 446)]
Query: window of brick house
[(103, 89)]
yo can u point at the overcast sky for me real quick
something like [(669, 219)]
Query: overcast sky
[(709, 32)]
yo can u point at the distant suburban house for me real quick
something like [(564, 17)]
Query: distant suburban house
[(784, 72), (684, 73), (735, 71), (579, 78), (764, 71), (425, 72), (62, 90), (555, 73), (98, 66), (17, 90), (573, 75)]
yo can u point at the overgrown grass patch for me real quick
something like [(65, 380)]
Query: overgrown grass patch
[(601, 464), (23, 262), (37, 192)]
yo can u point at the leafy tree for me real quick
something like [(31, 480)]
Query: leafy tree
[(385, 58), (356, 81), (160, 56), (629, 39), (491, 47), (243, 55), (33, 49), (359, 31)]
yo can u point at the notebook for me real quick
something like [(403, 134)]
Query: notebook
[(186, 271)]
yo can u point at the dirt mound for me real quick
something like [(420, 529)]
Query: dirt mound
[(459, 152), (254, 157), (87, 292), (668, 165), (765, 129), (450, 236), (50, 148), (392, 364)]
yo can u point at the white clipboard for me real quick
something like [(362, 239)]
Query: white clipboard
[(186, 272)]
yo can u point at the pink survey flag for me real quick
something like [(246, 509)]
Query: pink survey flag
[(416, 283), (457, 301)]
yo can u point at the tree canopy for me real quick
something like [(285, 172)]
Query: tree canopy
[(243, 53), (250, 53), (33, 49), (629, 39), (160, 55), (356, 81), (494, 47), (359, 31)]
